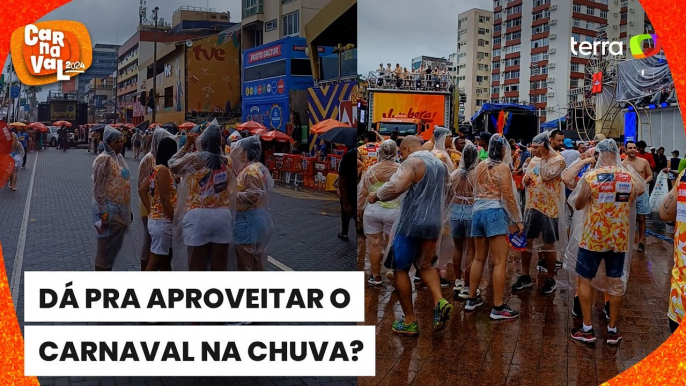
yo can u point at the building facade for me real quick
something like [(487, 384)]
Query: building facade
[(104, 63), (473, 61), (266, 21), (531, 59), (428, 61)]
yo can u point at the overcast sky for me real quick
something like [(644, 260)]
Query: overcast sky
[(114, 21), (395, 31)]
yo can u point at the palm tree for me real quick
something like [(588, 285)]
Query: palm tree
[(32, 100)]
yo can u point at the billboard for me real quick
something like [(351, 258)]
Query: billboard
[(336, 101), (213, 73), (69, 85), (64, 111), (273, 115), (429, 107)]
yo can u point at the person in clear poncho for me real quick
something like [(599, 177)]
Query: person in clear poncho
[(253, 220), (603, 231), (111, 199), (462, 182), (162, 187), (145, 168), (379, 217), (424, 180), (544, 212), (495, 206), (443, 140), (137, 141), (206, 201), (17, 155)]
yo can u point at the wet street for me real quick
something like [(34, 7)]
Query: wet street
[(535, 349)]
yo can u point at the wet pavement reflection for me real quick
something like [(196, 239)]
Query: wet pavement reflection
[(534, 350)]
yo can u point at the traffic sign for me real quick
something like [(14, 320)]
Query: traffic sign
[(14, 92)]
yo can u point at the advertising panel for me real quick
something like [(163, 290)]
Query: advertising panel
[(69, 85), (213, 70), (336, 101), (430, 108), (65, 111), (274, 115)]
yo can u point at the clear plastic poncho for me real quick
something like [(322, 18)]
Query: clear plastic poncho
[(206, 204), (605, 222), (461, 195), (379, 217), (111, 208), (423, 208), (17, 153), (439, 148), (494, 187), (254, 223), (145, 168), (545, 218)]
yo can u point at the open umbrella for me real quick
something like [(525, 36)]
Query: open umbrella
[(62, 123), (171, 127), (129, 126), (17, 124), (342, 135), (251, 126), (153, 125), (187, 125), (276, 135), (326, 125), (39, 126)]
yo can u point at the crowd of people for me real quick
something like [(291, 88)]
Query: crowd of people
[(422, 78), (424, 206), (199, 205)]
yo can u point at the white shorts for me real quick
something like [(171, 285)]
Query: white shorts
[(207, 225), (161, 236), (377, 219)]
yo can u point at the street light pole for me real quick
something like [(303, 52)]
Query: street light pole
[(154, 66)]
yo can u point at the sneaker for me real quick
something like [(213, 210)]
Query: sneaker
[(505, 313), (390, 275), (375, 280), (417, 280), (522, 282), (445, 283), (442, 314), (606, 310), (558, 265), (459, 284), (613, 337), (471, 304), (583, 336), (541, 266), (549, 286), (576, 308), (399, 327), (343, 237), (641, 248), (464, 293)]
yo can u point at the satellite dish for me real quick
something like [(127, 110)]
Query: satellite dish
[(189, 43)]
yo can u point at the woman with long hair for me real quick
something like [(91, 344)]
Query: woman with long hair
[(161, 186)]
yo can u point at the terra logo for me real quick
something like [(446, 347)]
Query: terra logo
[(616, 48), (51, 51)]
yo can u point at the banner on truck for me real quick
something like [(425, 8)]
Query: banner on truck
[(430, 108)]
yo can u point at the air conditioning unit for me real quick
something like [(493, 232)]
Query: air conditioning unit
[(552, 50), (632, 10), (615, 27), (551, 79), (551, 93), (550, 108), (553, 7), (616, 1), (553, 21), (553, 36), (616, 14), (551, 65), (632, 23)]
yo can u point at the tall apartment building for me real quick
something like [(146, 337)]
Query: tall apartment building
[(474, 32), (266, 21), (104, 63), (532, 60)]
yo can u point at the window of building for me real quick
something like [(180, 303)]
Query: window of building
[(540, 29), (539, 43), (482, 31), (576, 8), (514, 35), (512, 87), (291, 24), (496, 52), (513, 10), (484, 19), (512, 75), (603, 14), (258, 37), (495, 41), (624, 16), (576, 23), (496, 77), (590, 11), (496, 65), (495, 90), (513, 49), (270, 25), (497, 27), (622, 28), (575, 67), (482, 67), (169, 97), (497, 4), (573, 83), (538, 3), (483, 43)]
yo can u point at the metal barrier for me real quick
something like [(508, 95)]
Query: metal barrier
[(409, 81)]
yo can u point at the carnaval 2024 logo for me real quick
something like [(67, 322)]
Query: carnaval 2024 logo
[(50, 51)]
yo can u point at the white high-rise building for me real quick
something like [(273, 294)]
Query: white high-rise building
[(531, 53), (474, 31)]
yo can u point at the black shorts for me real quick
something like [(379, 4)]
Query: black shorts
[(538, 224), (588, 262)]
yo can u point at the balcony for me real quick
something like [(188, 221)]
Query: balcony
[(127, 61), (128, 89), (253, 14)]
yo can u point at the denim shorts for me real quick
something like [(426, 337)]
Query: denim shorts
[(588, 262), (252, 227), (643, 204), (490, 223), (460, 221), (408, 251)]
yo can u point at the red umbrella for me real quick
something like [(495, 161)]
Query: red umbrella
[(154, 125), (187, 125), (39, 126), (62, 123), (129, 126), (251, 126), (276, 135), (326, 125)]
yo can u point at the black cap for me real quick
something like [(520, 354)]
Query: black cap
[(485, 136)]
